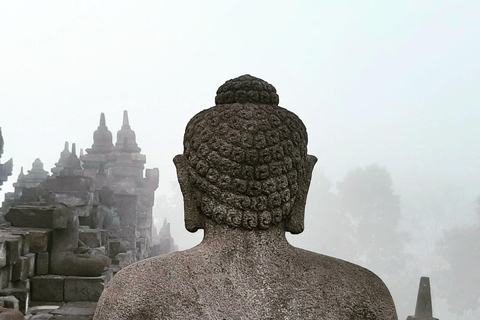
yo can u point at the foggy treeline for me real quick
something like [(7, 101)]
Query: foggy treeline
[(363, 220)]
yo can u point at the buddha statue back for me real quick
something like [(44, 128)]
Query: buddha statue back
[(244, 175)]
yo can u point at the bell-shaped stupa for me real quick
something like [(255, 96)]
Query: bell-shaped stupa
[(126, 140), (102, 138)]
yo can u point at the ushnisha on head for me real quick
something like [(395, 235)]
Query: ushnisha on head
[(245, 161)]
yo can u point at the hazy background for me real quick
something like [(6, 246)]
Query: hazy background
[(376, 82)]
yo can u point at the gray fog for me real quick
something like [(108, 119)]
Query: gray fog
[(388, 91)]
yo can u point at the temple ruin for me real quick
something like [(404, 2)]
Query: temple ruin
[(64, 235)]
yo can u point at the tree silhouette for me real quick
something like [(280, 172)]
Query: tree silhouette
[(367, 199), (327, 231), (459, 282)]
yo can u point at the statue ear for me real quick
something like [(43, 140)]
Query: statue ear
[(194, 219), (296, 224)]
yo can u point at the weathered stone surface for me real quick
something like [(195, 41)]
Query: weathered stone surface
[(88, 220), (104, 213), (244, 175), (423, 309), (42, 309), (84, 288), (80, 202), (141, 248), (20, 284), (46, 303), (20, 269), (22, 295), (48, 288), (90, 237), (143, 222), (5, 276), (33, 239), (104, 236), (30, 216), (42, 263), (126, 208), (39, 240), (114, 248), (3, 254), (163, 243), (76, 310), (108, 275), (24, 243), (62, 184), (13, 246), (10, 302), (80, 208), (128, 234), (42, 316), (129, 257), (72, 317), (31, 264)]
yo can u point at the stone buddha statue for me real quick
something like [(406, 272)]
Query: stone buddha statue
[(244, 175), (66, 257)]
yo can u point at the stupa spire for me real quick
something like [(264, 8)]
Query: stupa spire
[(102, 138), (423, 309), (73, 162), (62, 162), (20, 181), (126, 140), (125, 124), (102, 120)]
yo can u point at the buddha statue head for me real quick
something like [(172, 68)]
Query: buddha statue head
[(245, 161)]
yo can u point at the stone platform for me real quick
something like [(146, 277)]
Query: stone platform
[(25, 281), (56, 288), (82, 310)]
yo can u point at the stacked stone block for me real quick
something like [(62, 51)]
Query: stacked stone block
[(123, 249), (20, 248), (24, 270)]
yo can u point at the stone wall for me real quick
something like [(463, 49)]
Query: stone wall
[(102, 201)]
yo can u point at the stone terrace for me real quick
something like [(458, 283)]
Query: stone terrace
[(108, 196)]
